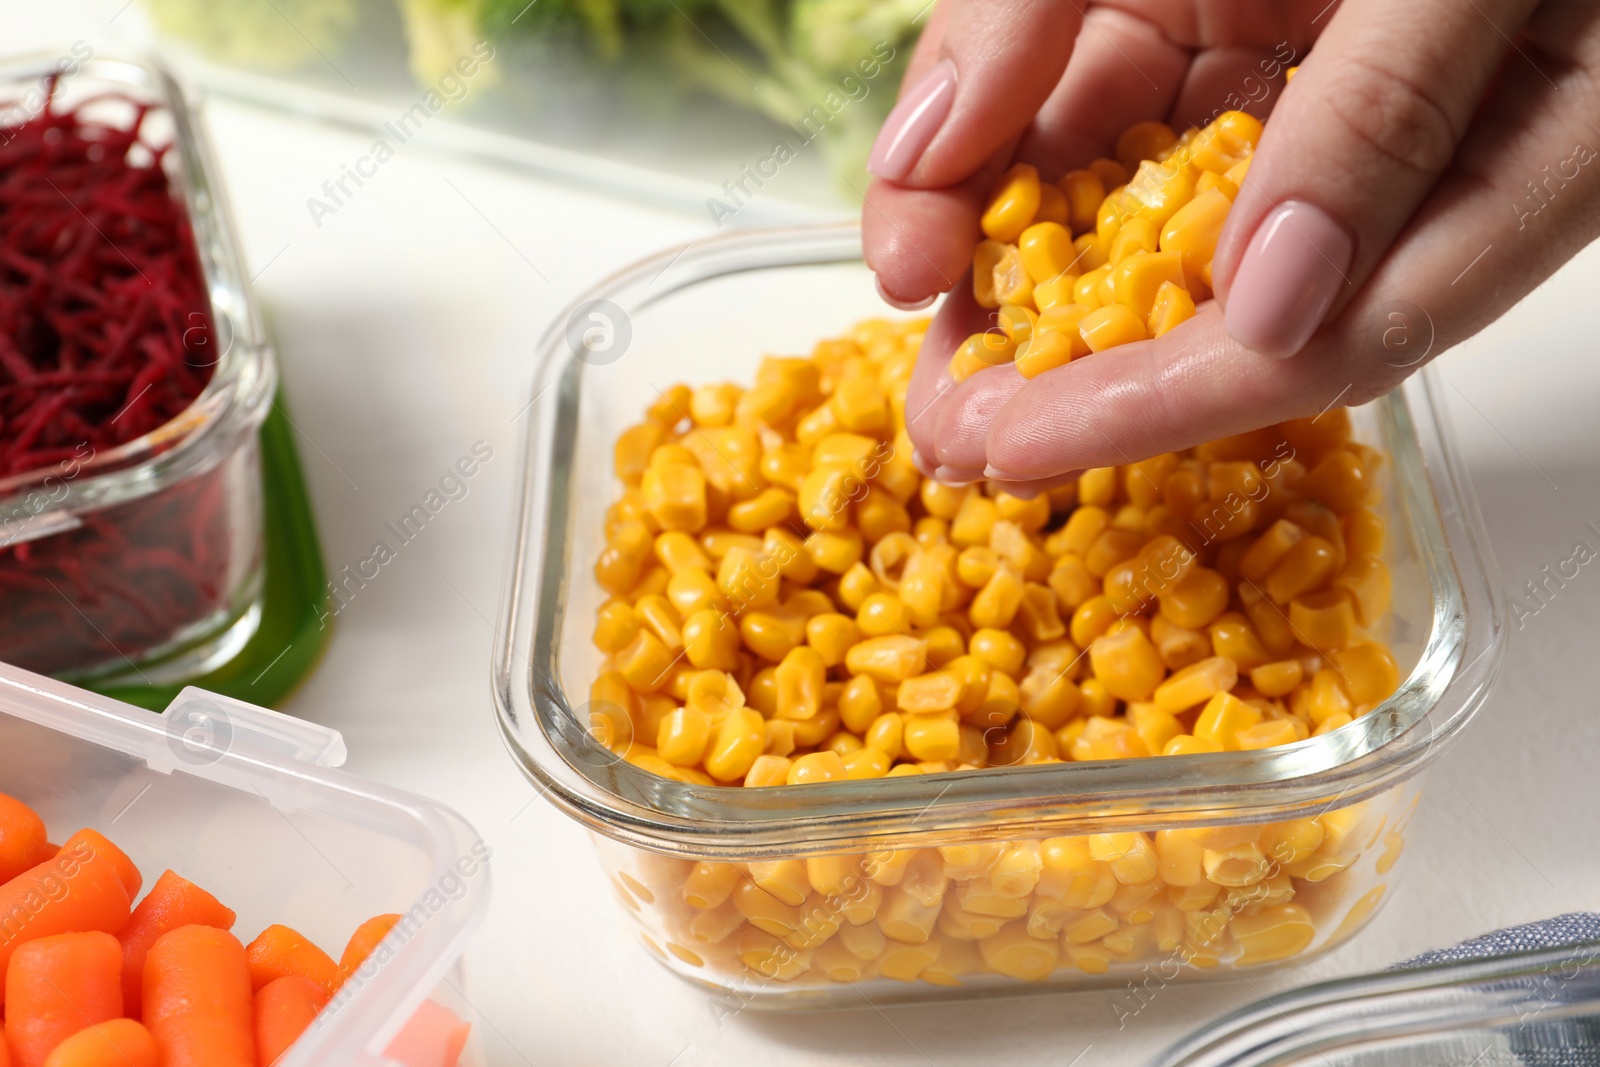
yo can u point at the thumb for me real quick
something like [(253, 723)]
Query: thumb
[(1358, 139), (997, 63)]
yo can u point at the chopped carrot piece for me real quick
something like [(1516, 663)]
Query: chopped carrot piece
[(116, 1043), (366, 938), (284, 1008), (197, 1000), (280, 950), (127, 870), (22, 840), (83, 888), (55, 986), (172, 902)]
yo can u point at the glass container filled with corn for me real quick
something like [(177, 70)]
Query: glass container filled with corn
[(791, 602), (842, 724)]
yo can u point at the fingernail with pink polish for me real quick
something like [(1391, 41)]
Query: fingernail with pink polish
[(957, 476), (911, 126), (899, 302), (1288, 279)]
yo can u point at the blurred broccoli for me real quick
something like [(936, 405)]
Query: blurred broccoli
[(834, 34), (440, 32), (258, 33), (781, 58)]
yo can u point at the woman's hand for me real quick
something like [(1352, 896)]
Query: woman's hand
[(1432, 162)]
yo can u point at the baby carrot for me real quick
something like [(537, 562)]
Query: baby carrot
[(197, 999), (55, 986), (116, 1043), (278, 951), (22, 841), (82, 888), (127, 871), (363, 941), (284, 1008), (172, 902), (433, 1037)]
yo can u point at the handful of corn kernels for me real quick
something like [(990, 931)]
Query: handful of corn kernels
[(1141, 259)]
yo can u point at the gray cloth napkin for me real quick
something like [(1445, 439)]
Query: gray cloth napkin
[(1570, 929), (1534, 1042)]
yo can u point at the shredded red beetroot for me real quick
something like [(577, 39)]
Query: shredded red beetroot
[(104, 329), (104, 336)]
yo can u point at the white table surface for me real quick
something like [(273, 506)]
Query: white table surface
[(405, 325)]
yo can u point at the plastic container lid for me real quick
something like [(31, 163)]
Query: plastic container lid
[(243, 801)]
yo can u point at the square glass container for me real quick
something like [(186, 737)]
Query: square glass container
[(143, 563), (886, 881), (245, 803)]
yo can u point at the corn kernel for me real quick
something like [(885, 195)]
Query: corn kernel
[(1056, 293), (1086, 291), (1267, 734), (1197, 683), (1108, 327), (1273, 933), (1197, 600), (675, 495), (683, 737), (1173, 307), (1365, 578), (1137, 279), (1368, 671), (1127, 664), (932, 737), (1326, 621), (1013, 205), (1084, 190), (738, 743), (1222, 718), (1046, 250), (1144, 141), (1136, 235), (772, 634), (816, 767), (883, 614), (1308, 564), (768, 770), (1055, 348), (1193, 231), (887, 659)]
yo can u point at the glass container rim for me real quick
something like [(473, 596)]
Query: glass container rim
[(235, 400), (1399, 1004), (555, 751)]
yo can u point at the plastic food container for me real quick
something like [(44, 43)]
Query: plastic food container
[(242, 801), (1342, 801), (1529, 1008), (143, 563)]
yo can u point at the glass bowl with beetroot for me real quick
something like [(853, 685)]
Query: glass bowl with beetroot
[(134, 374)]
